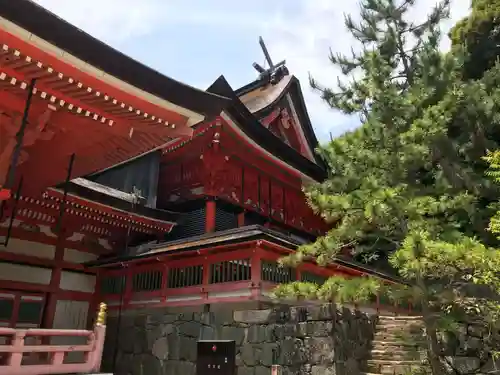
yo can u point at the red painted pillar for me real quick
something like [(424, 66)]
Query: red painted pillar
[(298, 274), (210, 206), (255, 275), (55, 280), (241, 219), (164, 283), (205, 281)]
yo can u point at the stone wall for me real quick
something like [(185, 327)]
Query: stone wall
[(469, 349), (313, 340)]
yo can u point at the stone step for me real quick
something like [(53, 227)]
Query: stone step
[(398, 352), (400, 319), (394, 350), (378, 344), (402, 336), (393, 327), (380, 325), (414, 331), (398, 357), (394, 367), (410, 340), (399, 326), (406, 332)]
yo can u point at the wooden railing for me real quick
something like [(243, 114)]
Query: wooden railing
[(18, 357), (242, 273)]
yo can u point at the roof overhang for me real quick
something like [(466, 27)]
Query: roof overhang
[(236, 128), (93, 200), (96, 103), (142, 99), (247, 125), (231, 236), (68, 42)]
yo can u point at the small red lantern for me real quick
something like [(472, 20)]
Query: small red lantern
[(214, 348)]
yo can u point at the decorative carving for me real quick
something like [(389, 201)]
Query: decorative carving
[(277, 202), (251, 188), (282, 125), (230, 179), (101, 315), (264, 195), (286, 119)]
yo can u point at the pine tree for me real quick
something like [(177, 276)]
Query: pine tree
[(407, 186), (479, 34)]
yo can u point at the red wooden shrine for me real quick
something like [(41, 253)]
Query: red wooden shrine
[(119, 184)]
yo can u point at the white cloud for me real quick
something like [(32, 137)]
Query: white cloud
[(110, 20), (305, 41), (302, 38)]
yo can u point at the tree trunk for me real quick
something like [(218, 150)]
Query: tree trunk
[(432, 344), (433, 351)]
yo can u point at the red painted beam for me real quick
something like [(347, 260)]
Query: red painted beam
[(23, 234), (7, 256), (79, 76)]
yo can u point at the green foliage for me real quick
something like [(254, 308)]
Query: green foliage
[(479, 35), (408, 189), (493, 158), (338, 289)]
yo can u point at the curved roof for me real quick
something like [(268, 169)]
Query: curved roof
[(260, 95), (88, 99), (251, 126), (53, 29)]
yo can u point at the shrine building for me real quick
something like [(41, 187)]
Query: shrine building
[(119, 184)]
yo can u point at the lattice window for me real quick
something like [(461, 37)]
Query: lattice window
[(18, 309), (6, 309), (191, 224), (112, 284), (273, 272), (310, 277), (230, 271), (30, 311), (225, 219), (147, 281), (186, 276)]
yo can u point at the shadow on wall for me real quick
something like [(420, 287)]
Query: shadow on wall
[(316, 340)]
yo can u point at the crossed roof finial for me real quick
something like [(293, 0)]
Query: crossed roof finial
[(274, 72)]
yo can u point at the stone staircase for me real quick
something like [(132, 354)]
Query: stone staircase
[(398, 346)]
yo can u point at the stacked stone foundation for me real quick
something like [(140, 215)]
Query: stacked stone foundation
[(316, 340)]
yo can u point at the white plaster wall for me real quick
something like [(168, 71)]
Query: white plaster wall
[(77, 281), (36, 249), (27, 274), (71, 315), (77, 256)]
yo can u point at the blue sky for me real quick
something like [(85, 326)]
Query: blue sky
[(195, 41)]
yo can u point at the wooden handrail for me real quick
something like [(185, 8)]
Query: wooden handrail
[(15, 350)]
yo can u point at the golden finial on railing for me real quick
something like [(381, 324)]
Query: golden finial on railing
[(101, 315)]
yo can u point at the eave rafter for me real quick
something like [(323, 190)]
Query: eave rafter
[(64, 91), (93, 217)]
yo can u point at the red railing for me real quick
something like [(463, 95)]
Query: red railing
[(17, 357), (236, 275)]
